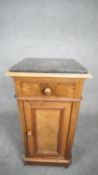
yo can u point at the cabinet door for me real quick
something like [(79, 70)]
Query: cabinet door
[(47, 126)]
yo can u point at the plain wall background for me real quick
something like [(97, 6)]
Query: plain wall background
[(49, 29)]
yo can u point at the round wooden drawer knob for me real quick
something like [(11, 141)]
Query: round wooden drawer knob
[(29, 133), (47, 91)]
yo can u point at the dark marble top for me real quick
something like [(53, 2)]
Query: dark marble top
[(42, 65)]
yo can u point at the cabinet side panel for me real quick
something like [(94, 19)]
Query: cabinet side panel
[(73, 120), (22, 122)]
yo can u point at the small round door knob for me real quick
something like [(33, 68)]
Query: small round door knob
[(29, 133), (47, 91)]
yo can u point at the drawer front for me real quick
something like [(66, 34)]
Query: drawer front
[(48, 89)]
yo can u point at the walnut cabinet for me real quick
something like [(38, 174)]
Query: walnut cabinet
[(48, 105)]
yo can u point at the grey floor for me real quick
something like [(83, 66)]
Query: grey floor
[(52, 29)]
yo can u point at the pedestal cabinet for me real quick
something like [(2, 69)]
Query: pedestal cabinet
[(48, 93)]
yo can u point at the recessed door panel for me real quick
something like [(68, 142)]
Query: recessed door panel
[(47, 122)]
